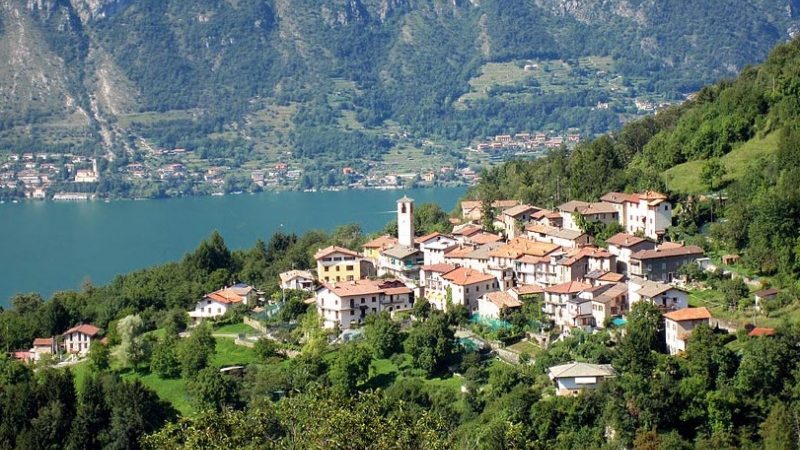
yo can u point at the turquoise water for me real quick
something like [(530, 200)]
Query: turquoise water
[(49, 246)]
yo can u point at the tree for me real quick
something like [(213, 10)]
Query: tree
[(778, 430), (212, 390), (430, 344), (164, 361), (713, 173), (135, 411), (92, 417), (196, 350), (266, 349), (350, 368), (382, 335), (99, 356), (642, 338), (733, 291), (134, 349), (421, 309)]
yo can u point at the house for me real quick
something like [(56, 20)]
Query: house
[(483, 237), (679, 324), (434, 246), (400, 262), (42, 347), (549, 218), (766, 294), (573, 264), (218, 303), (623, 245), (515, 218), (297, 279), (556, 299), (472, 209), (598, 277), (607, 301), (560, 236), (78, 339), (340, 264), (464, 231), (602, 212), (665, 296), (434, 287), (571, 378), (347, 303), (648, 212), (525, 291), (373, 248), (663, 262), (495, 305), (467, 285)]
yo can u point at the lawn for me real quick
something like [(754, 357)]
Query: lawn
[(172, 390), (685, 178), (230, 354), (235, 328), (525, 347), (384, 372)]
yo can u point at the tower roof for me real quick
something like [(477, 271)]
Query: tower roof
[(406, 199)]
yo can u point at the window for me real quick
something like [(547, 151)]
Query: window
[(363, 301), (326, 269), (349, 268), (466, 290), (338, 268)]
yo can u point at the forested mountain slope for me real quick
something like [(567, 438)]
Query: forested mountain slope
[(82, 72)]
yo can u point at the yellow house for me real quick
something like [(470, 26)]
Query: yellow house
[(373, 248), (340, 264)]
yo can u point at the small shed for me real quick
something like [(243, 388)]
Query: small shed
[(729, 260)]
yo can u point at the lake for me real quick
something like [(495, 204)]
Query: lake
[(50, 246)]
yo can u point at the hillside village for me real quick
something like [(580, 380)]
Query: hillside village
[(531, 255)]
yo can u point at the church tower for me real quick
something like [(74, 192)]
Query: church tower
[(405, 221)]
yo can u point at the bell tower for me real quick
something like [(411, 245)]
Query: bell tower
[(405, 221)]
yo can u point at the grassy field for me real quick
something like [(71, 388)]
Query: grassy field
[(525, 347), (384, 372), (235, 328), (230, 354), (685, 178)]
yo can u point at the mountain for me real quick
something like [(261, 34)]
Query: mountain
[(335, 77)]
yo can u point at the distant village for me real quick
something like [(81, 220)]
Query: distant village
[(530, 254)]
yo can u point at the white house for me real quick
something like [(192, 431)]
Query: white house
[(556, 299), (42, 347), (513, 217), (297, 279), (560, 236), (573, 377), (78, 339), (648, 212), (434, 286), (607, 300), (495, 305), (218, 303), (591, 212), (679, 325), (346, 304), (434, 246)]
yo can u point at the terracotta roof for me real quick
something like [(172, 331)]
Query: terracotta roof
[(89, 330), (427, 237), (519, 209), (503, 300), (612, 293), (528, 289), (612, 276), (292, 274), (688, 314), (334, 249), (573, 206), (485, 238), (651, 197), (757, 331), (576, 254), (615, 197), (625, 240), (43, 342), (464, 276), (470, 204), (600, 208), (570, 287), (660, 252), (439, 268), (467, 229), (381, 242), (460, 251), (224, 296), (523, 246), (367, 287)]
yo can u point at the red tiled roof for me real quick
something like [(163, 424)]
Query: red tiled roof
[(43, 342), (439, 268), (688, 314), (381, 242), (485, 238), (624, 240), (522, 246), (89, 330), (528, 289), (464, 276), (503, 300), (427, 237), (367, 287), (519, 209), (662, 252), (334, 249), (761, 332), (570, 287)]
